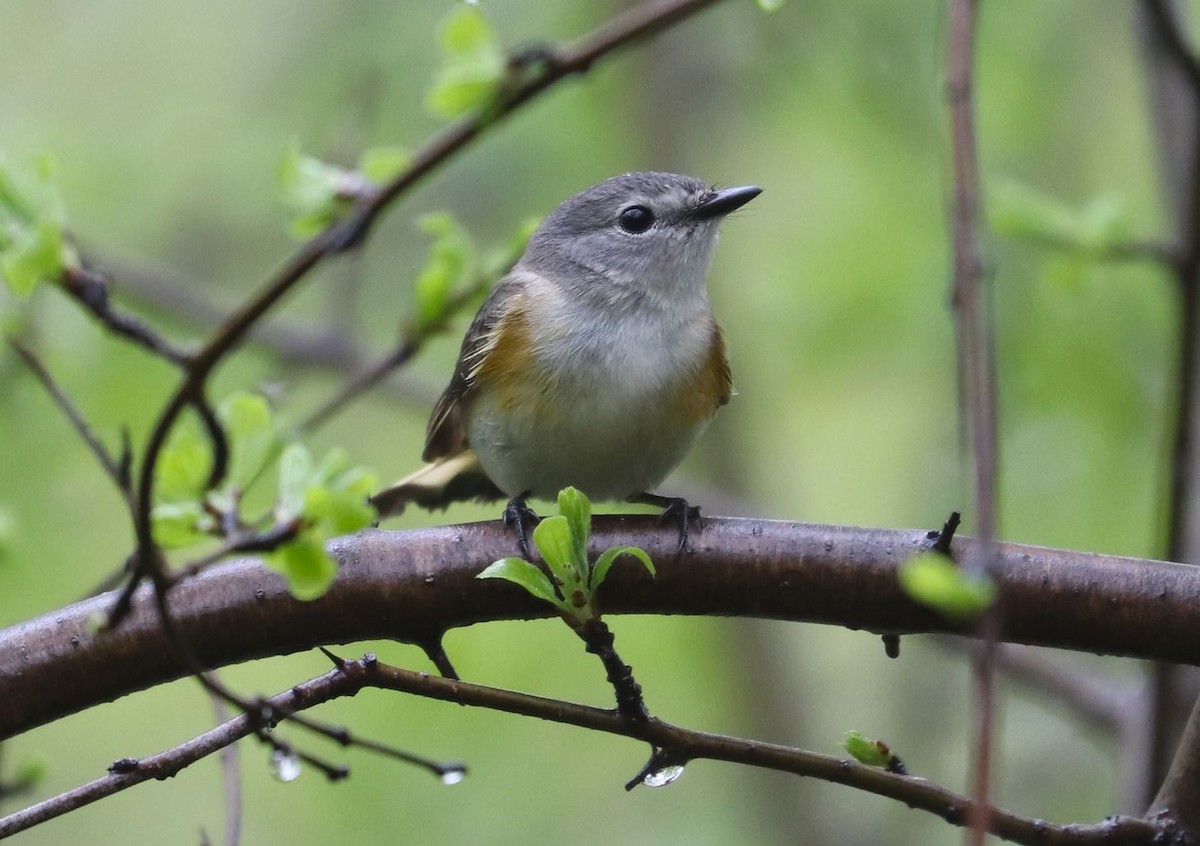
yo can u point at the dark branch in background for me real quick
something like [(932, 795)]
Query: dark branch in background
[(412, 586), (976, 349), (168, 293), (408, 347), (231, 776), (352, 676), (1179, 798), (90, 289), (128, 772), (115, 467), (1174, 74)]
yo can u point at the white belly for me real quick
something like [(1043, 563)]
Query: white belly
[(604, 420), (604, 444)]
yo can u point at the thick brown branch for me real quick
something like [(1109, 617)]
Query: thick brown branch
[(412, 586)]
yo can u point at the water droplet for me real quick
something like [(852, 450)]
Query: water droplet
[(285, 766), (664, 776), (454, 775)]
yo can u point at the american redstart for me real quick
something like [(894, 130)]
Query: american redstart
[(595, 362)]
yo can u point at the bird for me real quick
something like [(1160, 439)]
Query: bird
[(595, 362)]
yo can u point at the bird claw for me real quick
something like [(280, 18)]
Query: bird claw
[(520, 518), (684, 516)]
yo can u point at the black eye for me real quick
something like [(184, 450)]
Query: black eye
[(636, 219)]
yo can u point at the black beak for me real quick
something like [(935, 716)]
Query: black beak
[(720, 203)]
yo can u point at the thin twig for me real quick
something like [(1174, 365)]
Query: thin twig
[(975, 329), (1175, 70), (362, 382), (231, 776), (112, 465), (408, 347), (343, 736), (90, 289), (353, 676), (1163, 18)]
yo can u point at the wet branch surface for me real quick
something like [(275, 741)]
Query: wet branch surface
[(413, 586)]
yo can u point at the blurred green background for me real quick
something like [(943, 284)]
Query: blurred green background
[(168, 120)]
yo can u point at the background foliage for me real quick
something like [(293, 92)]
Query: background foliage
[(168, 122)]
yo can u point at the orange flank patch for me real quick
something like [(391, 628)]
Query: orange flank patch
[(708, 387), (508, 366)]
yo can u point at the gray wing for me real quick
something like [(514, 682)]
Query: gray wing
[(447, 431)]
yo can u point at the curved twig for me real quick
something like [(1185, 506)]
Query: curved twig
[(352, 676)]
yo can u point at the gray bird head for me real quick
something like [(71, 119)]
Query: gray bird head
[(646, 234)]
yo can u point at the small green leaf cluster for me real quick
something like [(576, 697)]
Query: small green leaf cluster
[(454, 269), (934, 580), (451, 264), (562, 541), (326, 498), (316, 500), (33, 247), (320, 193), (8, 525), (473, 65), (1082, 235), (873, 753)]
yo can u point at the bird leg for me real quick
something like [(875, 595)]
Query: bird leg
[(520, 518), (676, 510)]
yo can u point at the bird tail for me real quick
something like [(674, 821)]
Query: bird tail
[(454, 478)]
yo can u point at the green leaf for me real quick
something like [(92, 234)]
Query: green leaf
[(179, 524), (451, 257), (35, 255), (295, 473), (472, 68), (15, 206), (521, 572), (312, 189), (304, 226), (382, 164), (432, 289), (8, 529), (554, 540), (306, 565), (338, 512), (183, 465), (30, 772), (1022, 211), (577, 508), (252, 434), (769, 5), (873, 753), (609, 556), (466, 32), (306, 183), (934, 580)]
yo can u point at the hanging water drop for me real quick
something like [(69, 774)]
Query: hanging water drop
[(664, 776), (285, 765), (453, 775)]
